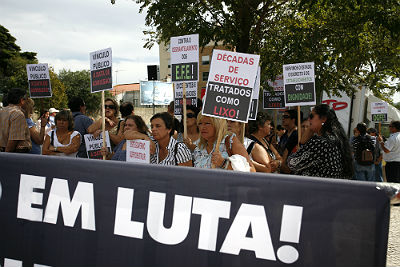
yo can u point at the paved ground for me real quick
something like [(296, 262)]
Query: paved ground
[(393, 255)]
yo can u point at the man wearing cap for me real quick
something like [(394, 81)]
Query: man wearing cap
[(53, 112), (14, 131), (391, 155)]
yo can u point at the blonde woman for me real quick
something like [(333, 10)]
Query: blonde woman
[(205, 154)]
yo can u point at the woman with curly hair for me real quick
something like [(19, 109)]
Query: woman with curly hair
[(324, 147)]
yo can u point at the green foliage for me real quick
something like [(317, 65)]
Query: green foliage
[(13, 63), (77, 83), (351, 41)]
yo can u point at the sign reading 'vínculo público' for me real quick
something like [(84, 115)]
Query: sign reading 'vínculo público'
[(299, 83), (39, 80), (101, 70), (230, 85), (379, 111), (185, 58)]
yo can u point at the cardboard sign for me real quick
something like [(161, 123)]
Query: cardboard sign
[(156, 92), (275, 99), (256, 93), (379, 111), (299, 84), (101, 70), (39, 80), (185, 58), (230, 85), (94, 145), (191, 96), (138, 151)]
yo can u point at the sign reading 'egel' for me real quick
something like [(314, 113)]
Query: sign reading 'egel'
[(101, 70), (299, 84), (39, 80), (185, 58), (230, 85)]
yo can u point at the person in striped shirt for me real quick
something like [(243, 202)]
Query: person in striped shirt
[(167, 150)]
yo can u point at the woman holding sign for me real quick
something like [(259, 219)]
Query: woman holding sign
[(63, 140), (213, 133), (111, 108), (324, 147), (134, 128)]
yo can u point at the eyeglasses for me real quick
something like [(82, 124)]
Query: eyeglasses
[(190, 115), (286, 116), (109, 106)]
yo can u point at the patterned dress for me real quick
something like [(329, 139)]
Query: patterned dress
[(319, 157), (202, 159)]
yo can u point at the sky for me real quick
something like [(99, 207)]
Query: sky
[(64, 32)]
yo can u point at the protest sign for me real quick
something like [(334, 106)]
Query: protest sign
[(191, 96), (379, 111), (75, 212), (299, 83), (156, 92), (185, 58), (94, 145), (38, 80), (138, 151), (254, 99), (276, 98), (230, 85), (101, 70)]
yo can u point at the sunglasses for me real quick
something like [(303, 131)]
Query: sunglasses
[(311, 116), (109, 106), (190, 115), (286, 116)]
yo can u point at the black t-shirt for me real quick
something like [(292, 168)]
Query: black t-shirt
[(290, 142)]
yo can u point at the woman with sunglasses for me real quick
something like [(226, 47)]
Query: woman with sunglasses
[(324, 147), (111, 110)]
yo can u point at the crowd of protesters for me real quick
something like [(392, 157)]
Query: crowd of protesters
[(323, 150)]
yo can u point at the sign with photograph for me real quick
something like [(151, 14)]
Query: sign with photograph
[(159, 93), (38, 80), (230, 85), (299, 83), (101, 70)]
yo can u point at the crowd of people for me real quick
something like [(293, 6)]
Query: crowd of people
[(323, 150)]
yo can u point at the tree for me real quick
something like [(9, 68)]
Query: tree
[(77, 83), (13, 63), (351, 41)]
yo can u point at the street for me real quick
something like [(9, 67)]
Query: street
[(393, 255)]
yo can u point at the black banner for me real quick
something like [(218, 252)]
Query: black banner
[(101, 79), (40, 88), (274, 100), (80, 212), (298, 93), (185, 72)]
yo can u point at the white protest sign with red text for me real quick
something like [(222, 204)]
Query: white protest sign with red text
[(230, 85), (138, 151)]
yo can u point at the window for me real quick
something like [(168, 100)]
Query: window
[(205, 60), (205, 76)]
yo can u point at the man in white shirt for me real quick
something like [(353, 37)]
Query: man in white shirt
[(391, 149)]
